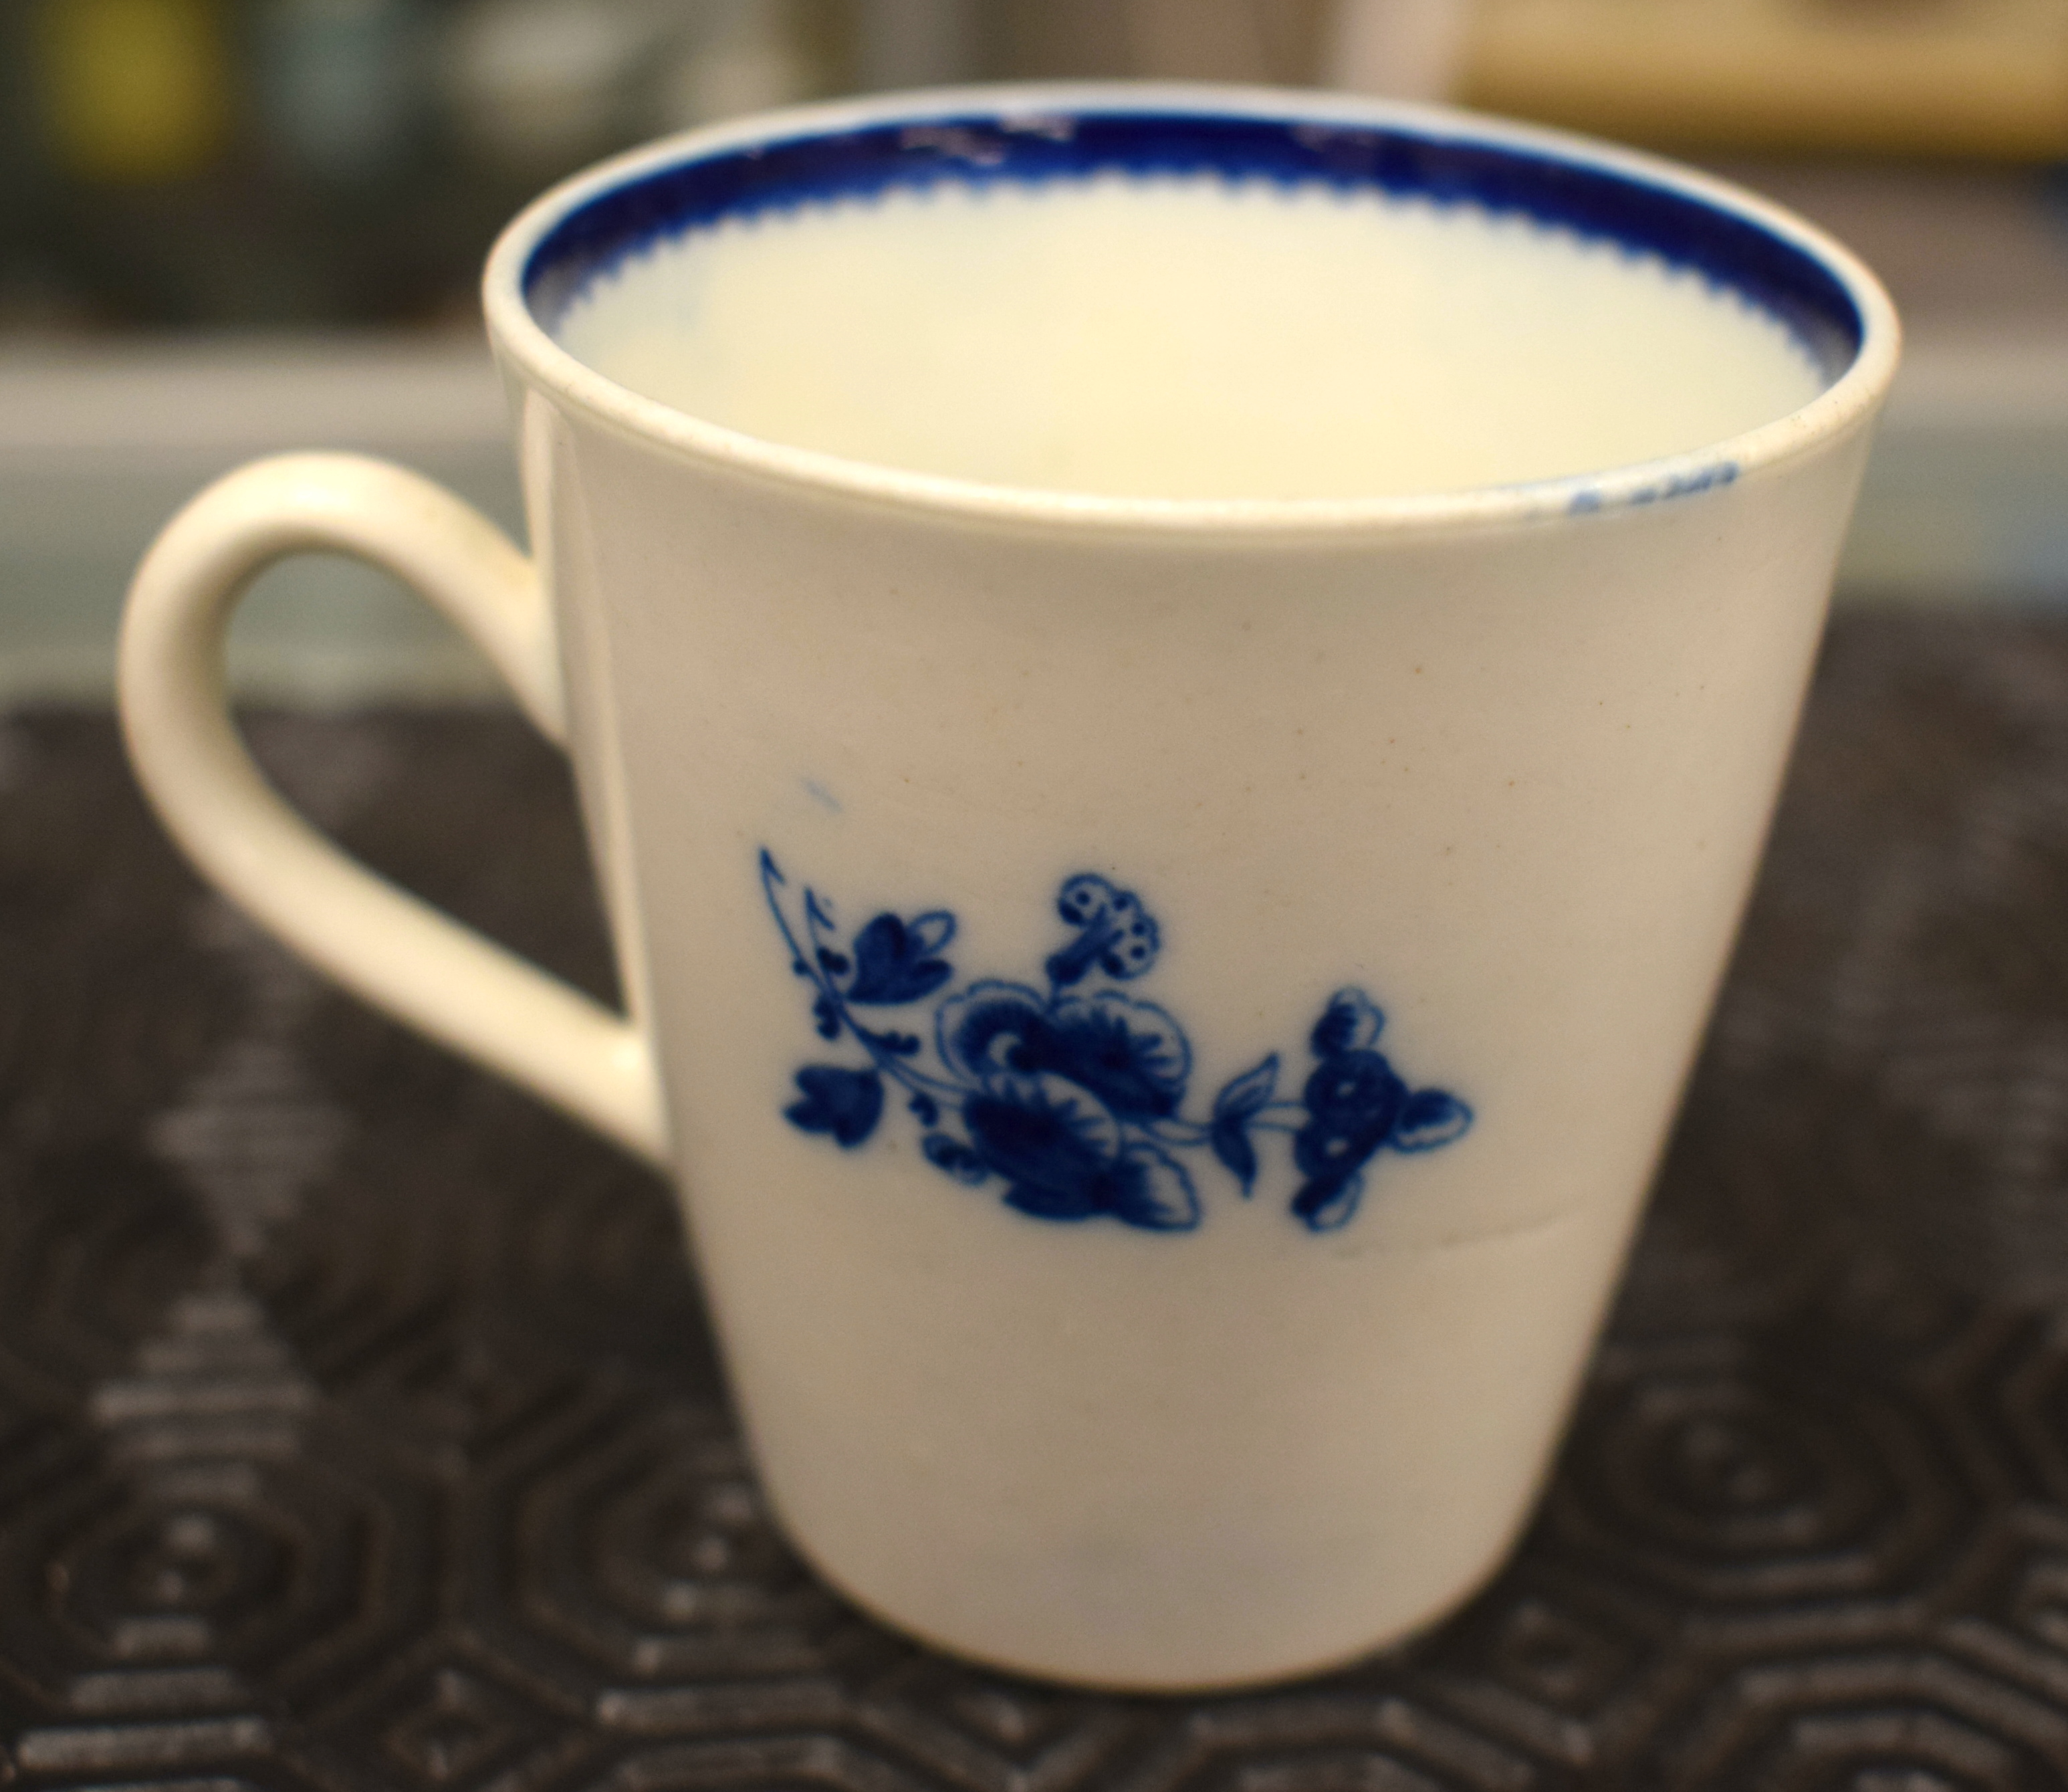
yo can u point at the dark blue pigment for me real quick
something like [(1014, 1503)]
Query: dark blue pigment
[(978, 149), (1069, 1098)]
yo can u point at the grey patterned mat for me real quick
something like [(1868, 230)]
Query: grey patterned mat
[(358, 1431)]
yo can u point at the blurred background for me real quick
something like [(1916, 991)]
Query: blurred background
[(228, 227)]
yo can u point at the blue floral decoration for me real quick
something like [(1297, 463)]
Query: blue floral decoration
[(1072, 1097)]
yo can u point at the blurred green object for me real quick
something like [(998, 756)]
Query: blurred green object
[(135, 91), (311, 164)]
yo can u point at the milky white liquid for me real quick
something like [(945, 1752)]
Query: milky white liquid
[(1189, 337)]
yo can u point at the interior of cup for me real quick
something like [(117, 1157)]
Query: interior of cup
[(1168, 302)]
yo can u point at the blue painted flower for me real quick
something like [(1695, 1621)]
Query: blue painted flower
[(1114, 930), (1131, 1055), (1352, 1100), (1357, 1102), (1075, 1101), (1066, 1157), (894, 962), (1352, 1022), (845, 1103)]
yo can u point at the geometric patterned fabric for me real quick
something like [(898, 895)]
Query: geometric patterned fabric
[(359, 1430)]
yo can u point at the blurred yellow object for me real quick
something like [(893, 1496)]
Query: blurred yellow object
[(1957, 77), (135, 90)]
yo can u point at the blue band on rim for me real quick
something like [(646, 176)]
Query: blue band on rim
[(1781, 278)]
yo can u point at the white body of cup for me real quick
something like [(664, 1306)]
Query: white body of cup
[(1505, 765)]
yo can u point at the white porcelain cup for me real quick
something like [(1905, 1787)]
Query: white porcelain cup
[(1175, 693)]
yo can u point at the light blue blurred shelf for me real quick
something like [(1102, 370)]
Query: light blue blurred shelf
[(1966, 498), (98, 449)]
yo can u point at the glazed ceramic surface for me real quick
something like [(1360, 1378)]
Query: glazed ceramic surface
[(1161, 979)]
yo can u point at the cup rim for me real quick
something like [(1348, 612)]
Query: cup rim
[(526, 345)]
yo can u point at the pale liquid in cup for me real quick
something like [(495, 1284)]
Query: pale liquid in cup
[(1189, 337)]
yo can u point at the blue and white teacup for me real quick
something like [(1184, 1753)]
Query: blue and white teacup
[(1176, 691)]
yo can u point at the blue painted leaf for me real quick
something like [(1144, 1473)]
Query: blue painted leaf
[(1328, 1203), (1062, 1201), (925, 1107), (1229, 1139), (1429, 1118), (1248, 1093), (1240, 1100), (833, 961), (893, 962), (930, 931), (946, 1152), (1351, 1022), (845, 1103), (828, 1014), (1151, 1189)]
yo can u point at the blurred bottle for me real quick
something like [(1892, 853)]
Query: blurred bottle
[(349, 190), (33, 291), (1398, 49), (313, 163), (537, 87), (540, 87), (733, 57), (134, 92), (134, 116), (220, 164), (342, 88)]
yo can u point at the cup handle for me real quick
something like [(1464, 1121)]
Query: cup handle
[(389, 947)]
